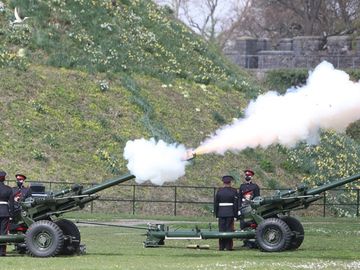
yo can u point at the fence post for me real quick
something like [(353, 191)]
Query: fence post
[(133, 200), (175, 199), (324, 204), (214, 194), (92, 202), (358, 201)]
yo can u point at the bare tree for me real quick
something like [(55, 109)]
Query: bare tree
[(342, 16), (208, 18), (289, 18), (205, 20), (221, 21), (308, 12), (175, 5), (230, 30)]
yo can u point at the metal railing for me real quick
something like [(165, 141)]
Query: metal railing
[(190, 196)]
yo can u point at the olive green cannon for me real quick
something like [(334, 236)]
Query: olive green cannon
[(37, 229), (269, 225)]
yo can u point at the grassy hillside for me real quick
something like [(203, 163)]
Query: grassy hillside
[(116, 36), (78, 79), (59, 125), (81, 78)]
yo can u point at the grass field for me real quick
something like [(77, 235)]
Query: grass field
[(330, 243)]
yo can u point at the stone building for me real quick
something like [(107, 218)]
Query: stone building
[(297, 52)]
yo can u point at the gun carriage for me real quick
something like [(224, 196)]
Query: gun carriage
[(39, 230), (268, 220)]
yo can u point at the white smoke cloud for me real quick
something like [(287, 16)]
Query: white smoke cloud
[(329, 100), (158, 162)]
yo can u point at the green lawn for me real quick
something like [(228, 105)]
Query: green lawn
[(331, 243)]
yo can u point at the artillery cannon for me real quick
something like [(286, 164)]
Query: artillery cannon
[(37, 230), (267, 218)]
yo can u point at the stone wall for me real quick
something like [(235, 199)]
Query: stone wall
[(297, 52)]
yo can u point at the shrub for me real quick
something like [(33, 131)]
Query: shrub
[(266, 165), (218, 118), (353, 130), (282, 79), (38, 155)]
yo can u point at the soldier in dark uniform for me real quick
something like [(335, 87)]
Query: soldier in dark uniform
[(249, 188), (6, 209), (225, 208), (247, 191), (20, 192)]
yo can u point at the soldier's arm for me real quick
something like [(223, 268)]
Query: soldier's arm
[(240, 196), (11, 203), (216, 205), (236, 203), (257, 191), (28, 193)]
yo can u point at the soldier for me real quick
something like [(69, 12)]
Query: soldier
[(225, 208), (6, 209), (248, 187), (247, 191), (20, 192)]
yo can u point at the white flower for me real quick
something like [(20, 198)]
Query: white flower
[(185, 94), (104, 85), (21, 52)]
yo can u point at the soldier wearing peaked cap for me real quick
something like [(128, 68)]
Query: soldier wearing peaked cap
[(6, 209), (225, 209), (20, 192), (247, 191)]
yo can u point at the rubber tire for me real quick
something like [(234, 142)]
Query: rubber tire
[(70, 230), (298, 231), (277, 230), (47, 232)]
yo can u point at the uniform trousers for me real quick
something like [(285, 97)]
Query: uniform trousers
[(226, 224), (4, 229)]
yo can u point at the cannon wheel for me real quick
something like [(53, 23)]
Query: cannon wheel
[(72, 237), (44, 239), (298, 231), (273, 235)]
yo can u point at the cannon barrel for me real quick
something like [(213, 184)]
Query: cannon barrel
[(107, 184), (332, 184), (42, 207)]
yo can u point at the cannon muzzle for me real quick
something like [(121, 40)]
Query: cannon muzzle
[(190, 154), (332, 185)]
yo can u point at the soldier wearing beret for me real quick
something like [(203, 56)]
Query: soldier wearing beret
[(20, 192), (225, 209), (6, 209)]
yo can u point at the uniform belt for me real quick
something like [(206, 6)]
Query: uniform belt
[(225, 204), (4, 203)]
